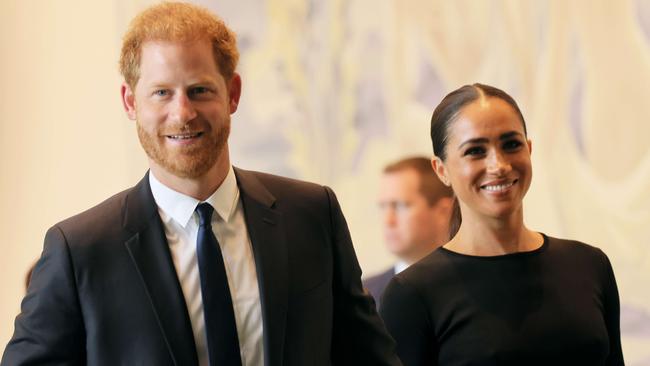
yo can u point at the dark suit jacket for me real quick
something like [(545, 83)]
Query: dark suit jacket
[(377, 284), (105, 291)]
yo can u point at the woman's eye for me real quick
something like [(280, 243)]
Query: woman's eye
[(512, 145), (474, 151)]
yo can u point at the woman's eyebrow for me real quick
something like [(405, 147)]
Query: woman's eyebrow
[(477, 140), (484, 140)]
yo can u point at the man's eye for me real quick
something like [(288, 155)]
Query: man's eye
[(161, 93), (402, 205), (512, 145), (199, 90), (474, 151)]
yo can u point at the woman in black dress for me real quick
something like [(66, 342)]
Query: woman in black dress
[(499, 293)]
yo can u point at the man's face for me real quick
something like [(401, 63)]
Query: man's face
[(182, 107), (411, 226)]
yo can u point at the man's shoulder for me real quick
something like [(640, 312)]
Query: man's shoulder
[(283, 189), (277, 182), (103, 220), (113, 204), (303, 204)]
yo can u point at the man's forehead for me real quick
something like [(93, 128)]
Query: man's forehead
[(404, 176), (175, 50), (400, 182), (161, 60)]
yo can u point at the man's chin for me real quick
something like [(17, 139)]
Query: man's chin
[(192, 170), (185, 167), (397, 250)]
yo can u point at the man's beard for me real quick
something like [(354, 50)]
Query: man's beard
[(186, 161)]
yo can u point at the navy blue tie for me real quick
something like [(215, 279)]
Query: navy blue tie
[(220, 326)]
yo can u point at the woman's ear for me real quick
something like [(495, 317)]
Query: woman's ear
[(439, 167)]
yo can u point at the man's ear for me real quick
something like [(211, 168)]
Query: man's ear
[(128, 101), (439, 167), (234, 92)]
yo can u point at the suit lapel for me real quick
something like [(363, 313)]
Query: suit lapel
[(267, 235), (150, 253)]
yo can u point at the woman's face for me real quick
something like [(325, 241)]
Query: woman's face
[(488, 159)]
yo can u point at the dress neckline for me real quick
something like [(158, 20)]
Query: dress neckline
[(535, 251)]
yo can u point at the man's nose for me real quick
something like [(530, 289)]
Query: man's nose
[(183, 109), (389, 217)]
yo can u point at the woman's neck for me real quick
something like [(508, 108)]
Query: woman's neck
[(488, 236)]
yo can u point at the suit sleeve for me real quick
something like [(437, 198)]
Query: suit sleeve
[(408, 322), (612, 313), (49, 329), (359, 335)]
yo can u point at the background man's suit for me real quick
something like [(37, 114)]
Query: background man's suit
[(105, 291), (377, 284)]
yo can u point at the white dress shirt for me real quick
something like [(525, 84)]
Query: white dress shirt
[(181, 225), (400, 266)]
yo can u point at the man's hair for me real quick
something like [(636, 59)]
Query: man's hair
[(430, 186), (177, 22)]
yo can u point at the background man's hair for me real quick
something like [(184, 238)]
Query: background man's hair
[(430, 186)]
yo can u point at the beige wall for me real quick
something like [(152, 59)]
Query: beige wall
[(64, 143)]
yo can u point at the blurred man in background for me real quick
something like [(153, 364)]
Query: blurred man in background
[(415, 208)]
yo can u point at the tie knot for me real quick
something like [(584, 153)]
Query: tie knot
[(204, 210)]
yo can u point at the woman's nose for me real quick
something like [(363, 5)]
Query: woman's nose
[(498, 163)]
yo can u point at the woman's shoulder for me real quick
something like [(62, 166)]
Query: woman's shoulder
[(569, 247), (578, 257), (412, 289), (435, 267)]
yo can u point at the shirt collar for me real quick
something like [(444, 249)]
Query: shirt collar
[(180, 207), (400, 266)]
